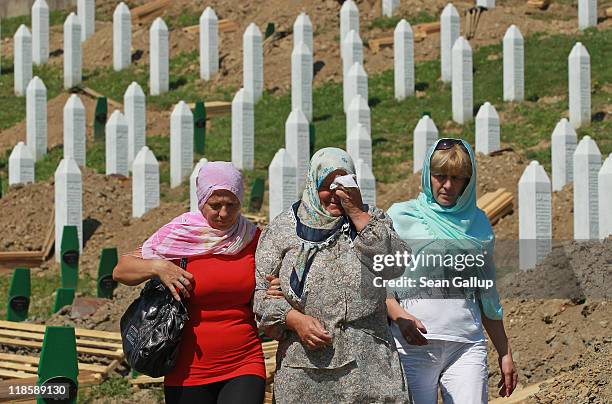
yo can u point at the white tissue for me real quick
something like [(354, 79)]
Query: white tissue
[(346, 181)]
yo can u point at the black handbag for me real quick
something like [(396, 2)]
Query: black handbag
[(151, 329)]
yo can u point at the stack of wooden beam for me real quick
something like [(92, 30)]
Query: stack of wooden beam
[(149, 11), (420, 32), (496, 204), (225, 26)]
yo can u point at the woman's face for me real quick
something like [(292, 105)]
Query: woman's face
[(221, 210), (328, 198), (446, 189)]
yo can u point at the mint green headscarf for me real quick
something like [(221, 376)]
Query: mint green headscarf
[(421, 221)]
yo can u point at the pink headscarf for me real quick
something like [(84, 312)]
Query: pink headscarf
[(190, 234)]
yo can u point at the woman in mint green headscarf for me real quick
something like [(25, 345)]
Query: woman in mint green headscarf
[(438, 318)]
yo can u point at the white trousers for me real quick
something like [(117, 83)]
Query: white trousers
[(459, 368)]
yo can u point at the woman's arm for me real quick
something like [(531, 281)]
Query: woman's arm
[(497, 333)]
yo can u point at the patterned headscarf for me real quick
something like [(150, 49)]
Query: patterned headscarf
[(190, 233)]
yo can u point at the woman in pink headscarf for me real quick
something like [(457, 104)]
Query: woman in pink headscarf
[(220, 359)]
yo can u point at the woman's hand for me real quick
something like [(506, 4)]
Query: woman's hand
[(174, 277), (350, 198), (309, 329), (412, 329), (274, 290), (509, 376)]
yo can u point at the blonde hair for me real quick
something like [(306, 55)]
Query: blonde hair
[(454, 161)]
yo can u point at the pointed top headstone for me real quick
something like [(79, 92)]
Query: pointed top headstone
[(134, 90), (252, 30), (209, 14), (159, 25)]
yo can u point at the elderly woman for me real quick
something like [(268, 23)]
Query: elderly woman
[(334, 342), (220, 358), (438, 327)]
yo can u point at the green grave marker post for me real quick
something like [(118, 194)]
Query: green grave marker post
[(313, 137), (199, 127), (100, 119), (63, 297), (257, 194), (19, 295), (269, 30), (59, 364), (106, 283), (70, 257)]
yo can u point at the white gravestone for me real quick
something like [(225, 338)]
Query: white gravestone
[(366, 182), (424, 135), (450, 26), (355, 82), (463, 81), (359, 144), (563, 145), (297, 144), (487, 129), (36, 118), (193, 186), (145, 182), (21, 165), (352, 51), (181, 144), (535, 216), (604, 182), (209, 44), (122, 37), (40, 32), (358, 112), (301, 79), (514, 65), (68, 201), (117, 144), (403, 48), (134, 104), (243, 130), (488, 4), (587, 14), (73, 54), (388, 7), (587, 162), (579, 67), (75, 135), (23, 60), (302, 31), (86, 10), (349, 21), (282, 183), (159, 55), (252, 62)]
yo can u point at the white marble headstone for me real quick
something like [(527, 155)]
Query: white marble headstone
[(193, 186), (301, 79), (587, 14), (424, 135), (535, 216), (75, 135), (145, 182), (297, 144), (403, 48), (358, 112), (243, 130), (359, 144), (252, 62), (36, 118), (487, 129), (181, 144), (282, 183), (463, 81), (488, 4), (450, 26), (22, 60), (587, 162), (389, 6), (159, 57), (366, 182), (302, 31), (134, 105), (514, 65), (86, 10), (563, 145), (352, 51), (349, 21), (209, 44), (355, 82), (73, 54), (604, 182), (40, 32), (20, 165), (68, 201), (117, 144), (579, 67), (122, 37)]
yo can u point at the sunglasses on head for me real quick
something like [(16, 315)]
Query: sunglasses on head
[(447, 143)]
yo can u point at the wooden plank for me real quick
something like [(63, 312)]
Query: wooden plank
[(79, 332), (20, 358), (95, 95), (50, 238), (609, 12), (150, 10), (17, 362), (80, 349), (427, 28), (540, 4), (225, 26), (143, 379), (18, 367)]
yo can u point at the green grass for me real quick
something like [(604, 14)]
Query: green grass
[(391, 22), (10, 25)]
